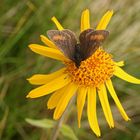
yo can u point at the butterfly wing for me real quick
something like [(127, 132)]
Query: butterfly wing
[(83, 37), (65, 40), (91, 40)]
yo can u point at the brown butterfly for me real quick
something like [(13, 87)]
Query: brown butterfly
[(89, 42)]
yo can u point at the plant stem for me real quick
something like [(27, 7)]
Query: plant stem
[(57, 128)]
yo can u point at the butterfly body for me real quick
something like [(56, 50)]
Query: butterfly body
[(77, 55), (89, 42)]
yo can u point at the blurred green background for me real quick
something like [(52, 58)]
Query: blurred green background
[(21, 23)]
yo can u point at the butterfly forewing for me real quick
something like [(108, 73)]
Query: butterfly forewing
[(91, 40), (65, 40), (83, 37), (72, 35)]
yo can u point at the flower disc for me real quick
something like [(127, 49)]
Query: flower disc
[(93, 71)]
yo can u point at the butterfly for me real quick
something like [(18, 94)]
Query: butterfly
[(89, 41)]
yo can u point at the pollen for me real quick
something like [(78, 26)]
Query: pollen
[(93, 71)]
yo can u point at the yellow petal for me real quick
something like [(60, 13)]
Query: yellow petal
[(81, 96), (120, 63), (105, 105), (116, 100), (105, 20), (63, 102), (58, 25), (85, 20), (47, 42), (52, 86), (46, 51), (40, 79), (55, 97), (91, 111), (125, 76)]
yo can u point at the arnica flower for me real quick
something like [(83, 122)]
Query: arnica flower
[(91, 79)]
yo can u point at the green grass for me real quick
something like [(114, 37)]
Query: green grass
[(21, 23)]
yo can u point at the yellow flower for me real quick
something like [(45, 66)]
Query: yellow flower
[(92, 78)]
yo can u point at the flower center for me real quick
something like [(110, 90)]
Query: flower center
[(93, 71)]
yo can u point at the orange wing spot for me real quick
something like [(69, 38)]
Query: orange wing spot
[(97, 37), (58, 37)]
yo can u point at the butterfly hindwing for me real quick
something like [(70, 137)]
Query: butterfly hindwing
[(91, 40), (65, 40)]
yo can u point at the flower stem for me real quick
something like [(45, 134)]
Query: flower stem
[(57, 128)]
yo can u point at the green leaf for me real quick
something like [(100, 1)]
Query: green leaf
[(68, 132), (46, 123)]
